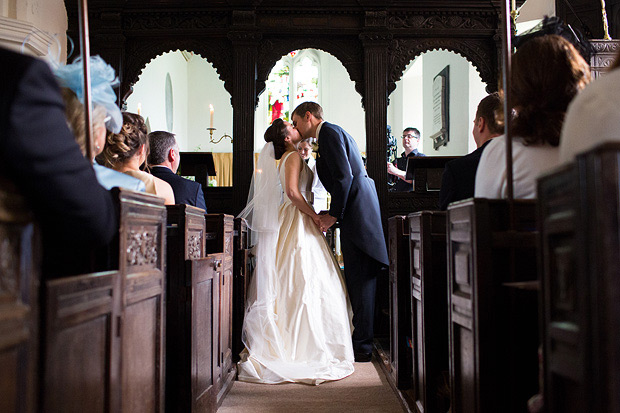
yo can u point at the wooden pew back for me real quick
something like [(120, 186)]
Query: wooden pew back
[(400, 301), (219, 240), (580, 238), (493, 320), (19, 326), (103, 332), (189, 314), (429, 310)]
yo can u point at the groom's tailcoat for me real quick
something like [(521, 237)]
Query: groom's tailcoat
[(356, 205), (354, 195)]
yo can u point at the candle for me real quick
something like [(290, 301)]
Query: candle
[(139, 108), (514, 5), (211, 113)]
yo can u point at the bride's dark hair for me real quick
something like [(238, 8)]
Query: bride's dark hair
[(276, 133)]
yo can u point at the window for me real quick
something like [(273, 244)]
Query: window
[(298, 72)]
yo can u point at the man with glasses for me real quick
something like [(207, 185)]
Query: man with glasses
[(411, 139)]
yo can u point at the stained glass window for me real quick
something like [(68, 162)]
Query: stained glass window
[(298, 72)]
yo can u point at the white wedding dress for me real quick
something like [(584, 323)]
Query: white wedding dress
[(302, 331)]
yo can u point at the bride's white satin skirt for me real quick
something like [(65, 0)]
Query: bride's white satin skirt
[(303, 334)]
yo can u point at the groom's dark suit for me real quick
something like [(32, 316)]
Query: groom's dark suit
[(354, 202)]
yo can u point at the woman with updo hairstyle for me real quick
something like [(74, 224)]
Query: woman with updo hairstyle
[(127, 150), (277, 133), (547, 73)]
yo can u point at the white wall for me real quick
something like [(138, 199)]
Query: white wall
[(406, 107), (341, 103), (411, 102), (205, 88), (42, 24)]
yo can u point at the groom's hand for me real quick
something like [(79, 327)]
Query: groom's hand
[(326, 221)]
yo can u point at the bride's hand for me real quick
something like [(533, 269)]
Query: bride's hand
[(317, 220)]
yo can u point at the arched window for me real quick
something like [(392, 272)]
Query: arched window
[(294, 79)]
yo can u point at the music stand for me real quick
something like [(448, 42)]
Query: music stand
[(199, 165)]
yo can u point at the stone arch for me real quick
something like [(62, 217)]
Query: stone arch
[(139, 55), (480, 53)]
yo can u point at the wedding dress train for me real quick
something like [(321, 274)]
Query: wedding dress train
[(302, 331)]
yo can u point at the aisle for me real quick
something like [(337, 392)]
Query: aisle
[(366, 390)]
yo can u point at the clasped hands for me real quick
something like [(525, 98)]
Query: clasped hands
[(324, 221)]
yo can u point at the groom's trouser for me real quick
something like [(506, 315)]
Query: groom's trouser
[(360, 272)]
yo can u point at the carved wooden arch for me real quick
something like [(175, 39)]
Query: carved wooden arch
[(140, 53), (348, 52), (481, 53)]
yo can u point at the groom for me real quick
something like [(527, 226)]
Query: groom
[(355, 204)]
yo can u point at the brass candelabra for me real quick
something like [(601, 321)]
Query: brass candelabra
[(220, 138)]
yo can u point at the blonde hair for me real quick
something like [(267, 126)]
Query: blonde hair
[(74, 114)]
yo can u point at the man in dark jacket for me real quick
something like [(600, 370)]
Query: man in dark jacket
[(164, 160), (354, 203), (42, 162), (459, 177)]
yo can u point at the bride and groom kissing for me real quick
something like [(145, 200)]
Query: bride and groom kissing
[(304, 321)]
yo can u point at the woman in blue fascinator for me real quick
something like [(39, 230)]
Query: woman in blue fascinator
[(106, 114)]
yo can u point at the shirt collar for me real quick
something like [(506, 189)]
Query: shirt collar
[(318, 129)]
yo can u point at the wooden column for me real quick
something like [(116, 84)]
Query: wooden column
[(375, 44), (245, 46)]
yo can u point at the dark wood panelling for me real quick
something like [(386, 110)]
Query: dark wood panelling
[(243, 39)]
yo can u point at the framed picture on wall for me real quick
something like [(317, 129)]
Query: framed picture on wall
[(441, 105)]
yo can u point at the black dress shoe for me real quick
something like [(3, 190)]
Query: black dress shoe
[(363, 357)]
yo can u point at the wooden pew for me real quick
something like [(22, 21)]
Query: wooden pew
[(580, 238), (191, 311), (492, 303), (19, 282), (429, 310), (219, 230), (400, 302), (241, 275), (103, 332)]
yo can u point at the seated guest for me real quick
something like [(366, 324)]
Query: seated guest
[(164, 159), (547, 73), (593, 118), (459, 176), (42, 162), (127, 150), (411, 139), (318, 190), (104, 107)]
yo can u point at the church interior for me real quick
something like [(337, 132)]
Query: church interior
[(488, 305)]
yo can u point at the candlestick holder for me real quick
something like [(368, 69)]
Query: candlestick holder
[(221, 137)]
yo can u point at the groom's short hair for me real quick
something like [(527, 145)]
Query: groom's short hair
[(312, 107)]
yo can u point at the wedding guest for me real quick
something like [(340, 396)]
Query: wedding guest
[(127, 150), (411, 139), (547, 73), (104, 107), (164, 159), (42, 162), (459, 175), (593, 118), (318, 190)]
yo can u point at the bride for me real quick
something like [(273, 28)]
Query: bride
[(297, 325)]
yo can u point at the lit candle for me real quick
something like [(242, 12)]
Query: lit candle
[(211, 113), (139, 108)]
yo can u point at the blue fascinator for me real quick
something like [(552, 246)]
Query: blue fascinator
[(102, 78)]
